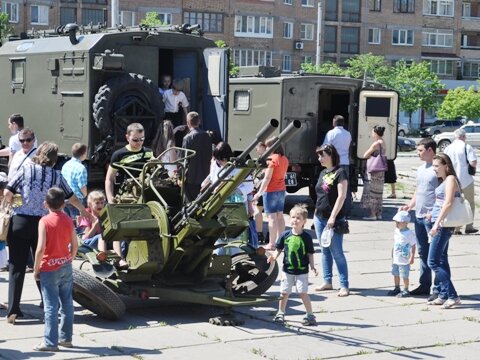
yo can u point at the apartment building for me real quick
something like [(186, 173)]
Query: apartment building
[(283, 33)]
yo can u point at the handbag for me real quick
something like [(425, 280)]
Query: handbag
[(471, 169), (5, 216), (377, 163), (341, 227), (460, 213)]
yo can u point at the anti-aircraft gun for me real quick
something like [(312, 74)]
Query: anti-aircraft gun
[(171, 253)]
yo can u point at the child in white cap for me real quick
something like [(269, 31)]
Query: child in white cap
[(403, 253)]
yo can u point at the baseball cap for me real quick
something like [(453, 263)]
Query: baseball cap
[(402, 216)]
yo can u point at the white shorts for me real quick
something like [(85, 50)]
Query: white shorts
[(288, 280)]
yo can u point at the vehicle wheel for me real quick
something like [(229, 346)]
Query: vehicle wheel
[(442, 145), (401, 133), (248, 279), (96, 297), (125, 99)]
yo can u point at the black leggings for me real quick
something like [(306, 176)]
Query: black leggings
[(22, 238)]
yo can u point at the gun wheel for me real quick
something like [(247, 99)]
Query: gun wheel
[(96, 297), (248, 279)]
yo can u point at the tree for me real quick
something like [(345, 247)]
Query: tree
[(151, 20), (372, 67), (460, 102), (232, 68), (327, 68), (5, 27), (416, 85)]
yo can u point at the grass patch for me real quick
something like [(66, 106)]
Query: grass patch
[(471, 318)]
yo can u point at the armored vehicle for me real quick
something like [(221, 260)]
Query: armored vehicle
[(313, 100), (87, 84)]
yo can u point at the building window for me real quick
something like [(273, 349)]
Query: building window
[(402, 37), (351, 10), (93, 16), (252, 57), (126, 18), (68, 1), (437, 37), (404, 6), (442, 67), (287, 2), (438, 7), (374, 35), (39, 14), (350, 40), (68, 15), (330, 39), (308, 3), (466, 9), (331, 10), (307, 59), (99, 2), (287, 30), (166, 18), (307, 31), (209, 22), (287, 63), (470, 70), (254, 26), (11, 9), (375, 5)]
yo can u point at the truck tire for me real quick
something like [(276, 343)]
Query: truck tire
[(96, 297), (118, 92), (247, 279), (442, 145)]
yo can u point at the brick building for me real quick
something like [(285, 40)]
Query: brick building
[(283, 33)]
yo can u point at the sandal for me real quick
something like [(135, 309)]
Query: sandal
[(279, 318), (343, 292), (392, 196), (324, 286)]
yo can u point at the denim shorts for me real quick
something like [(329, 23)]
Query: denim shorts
[(288, 281), (401, 270), (273, 202)]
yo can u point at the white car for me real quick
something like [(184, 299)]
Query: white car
[(403, 129), (472, 131)]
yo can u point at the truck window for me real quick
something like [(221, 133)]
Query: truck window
[(377, 106), (18, 73), (241, 100)]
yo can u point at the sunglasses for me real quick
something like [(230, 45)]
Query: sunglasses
[(138, 139), (25, 140)]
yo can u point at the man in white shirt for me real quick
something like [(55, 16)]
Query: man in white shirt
[(341, 140), (176, 103), (26, 138), (15, 124), (462, 155)]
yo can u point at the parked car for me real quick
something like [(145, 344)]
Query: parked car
[(403, 129), (440, 126), (404, 144), (472, 136)]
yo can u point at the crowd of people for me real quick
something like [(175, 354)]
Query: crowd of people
[(55, 208)]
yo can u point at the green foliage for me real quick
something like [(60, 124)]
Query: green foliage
[(460, 102), (5, 27), (327, 68), (370, 66), (416, 84), (232, 69), (151, 19)]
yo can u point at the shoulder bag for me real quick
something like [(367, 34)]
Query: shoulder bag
[(471, 169), (460, 213), (377, 163), (5, 216)]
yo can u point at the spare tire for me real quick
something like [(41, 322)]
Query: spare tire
[(126, 99)]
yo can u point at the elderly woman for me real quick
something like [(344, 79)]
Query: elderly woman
[(31, 182), (330, 211)]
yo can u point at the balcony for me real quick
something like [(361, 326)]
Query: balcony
[(470, 23)]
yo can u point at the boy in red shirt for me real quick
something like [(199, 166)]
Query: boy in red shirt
[(57, 246)]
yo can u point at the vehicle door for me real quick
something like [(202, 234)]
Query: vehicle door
[(377, 107), (469, 134), (473, 138)]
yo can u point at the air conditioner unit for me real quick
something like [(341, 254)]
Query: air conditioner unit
[(298, 45)]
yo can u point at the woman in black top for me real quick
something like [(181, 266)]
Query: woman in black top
[(331, 192)]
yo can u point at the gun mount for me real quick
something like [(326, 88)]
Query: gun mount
[(172, 243)]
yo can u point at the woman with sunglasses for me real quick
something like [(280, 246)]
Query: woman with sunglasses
[(440, 236), (24, 156), (372, 197), (330, 210)]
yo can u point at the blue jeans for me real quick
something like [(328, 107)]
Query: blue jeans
[(57, 289), (438, 262), (93, 241), (333, 252), (422, 228)]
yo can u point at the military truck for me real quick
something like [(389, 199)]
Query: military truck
[(87, 84), (313, 100)]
